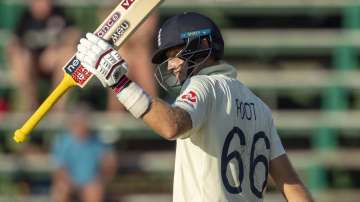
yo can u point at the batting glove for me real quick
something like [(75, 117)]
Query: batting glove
[(101, 59)]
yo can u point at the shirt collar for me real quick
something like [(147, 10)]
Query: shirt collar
[(221, 68)]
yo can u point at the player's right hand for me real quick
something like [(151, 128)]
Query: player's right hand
[(101, 59)]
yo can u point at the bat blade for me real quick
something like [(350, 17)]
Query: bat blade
[(116, 28)]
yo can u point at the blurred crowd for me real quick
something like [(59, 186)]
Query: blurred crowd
[(42, 41)]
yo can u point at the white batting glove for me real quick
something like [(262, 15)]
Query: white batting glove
[(101, 59), (105, 63)]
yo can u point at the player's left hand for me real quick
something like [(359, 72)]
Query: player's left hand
[(101, 59)]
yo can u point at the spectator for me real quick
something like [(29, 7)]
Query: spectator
[(43, 41), (83, 164)]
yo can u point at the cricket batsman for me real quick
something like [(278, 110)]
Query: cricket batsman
[(227, 143)]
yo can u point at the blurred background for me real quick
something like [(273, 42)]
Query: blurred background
[(300, 56)]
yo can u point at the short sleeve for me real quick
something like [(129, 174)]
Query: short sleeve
[(277, 148), (194, 99)]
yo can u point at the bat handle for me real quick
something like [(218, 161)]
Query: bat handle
[(66, 83)]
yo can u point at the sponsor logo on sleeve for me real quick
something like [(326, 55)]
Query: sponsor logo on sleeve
[(190, 98), (106, 26), (120, 31), (127, 3)]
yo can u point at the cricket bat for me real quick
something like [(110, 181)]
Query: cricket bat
[(116, 28)]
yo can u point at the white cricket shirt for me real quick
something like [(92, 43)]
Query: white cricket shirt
[(225, 157)]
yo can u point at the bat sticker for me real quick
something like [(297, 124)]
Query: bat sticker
[(127, 3), (120, 31), (81, 75), (106, 27), (73, 65)]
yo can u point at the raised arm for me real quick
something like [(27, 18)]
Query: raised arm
[(167, 121), (106, 64)]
